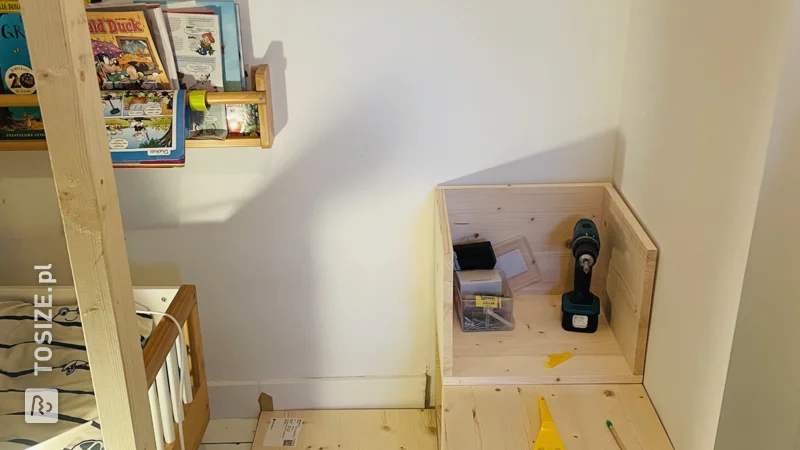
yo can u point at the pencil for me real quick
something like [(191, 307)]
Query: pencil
[(614, 433)]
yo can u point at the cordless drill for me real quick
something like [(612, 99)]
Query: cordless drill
[(580, 309)]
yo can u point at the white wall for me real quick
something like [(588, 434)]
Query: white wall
[(313, 259), (761, 406), (700, 85)]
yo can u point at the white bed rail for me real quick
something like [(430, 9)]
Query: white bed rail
[(168, 395)]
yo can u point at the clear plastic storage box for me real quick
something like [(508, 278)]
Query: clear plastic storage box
[(485, 311)]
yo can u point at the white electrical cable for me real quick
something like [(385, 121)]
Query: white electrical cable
[(183, 357)]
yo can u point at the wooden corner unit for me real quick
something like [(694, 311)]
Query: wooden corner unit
[(545, 216)]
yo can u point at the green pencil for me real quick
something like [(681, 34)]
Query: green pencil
[(614, 433)]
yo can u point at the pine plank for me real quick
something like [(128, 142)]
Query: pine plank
[(507, 417), (62, 59), (518, 356), (628, 292)]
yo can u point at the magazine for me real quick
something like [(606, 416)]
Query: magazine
[(145, 126), (230, 34), (125, 54), (198, 51), (15, 69), (158, 28)]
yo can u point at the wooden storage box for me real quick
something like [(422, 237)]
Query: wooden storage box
[(546, 215), (487, 384)]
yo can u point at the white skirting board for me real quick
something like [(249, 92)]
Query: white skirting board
[(239, 399)]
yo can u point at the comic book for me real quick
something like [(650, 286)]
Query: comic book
[(198, 51), (124, 51), (242, 120), (145, 127), (238, 117), (231, 46), (15, 69)]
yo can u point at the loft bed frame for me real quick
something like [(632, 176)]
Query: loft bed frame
[(180, 303), (122, 372)]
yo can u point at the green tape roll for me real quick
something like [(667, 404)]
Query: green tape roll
[(197, 101)]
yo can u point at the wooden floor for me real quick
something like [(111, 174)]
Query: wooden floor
[(507, 417), (410, 429), (518, 356)]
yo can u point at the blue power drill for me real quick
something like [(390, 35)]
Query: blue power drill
[(580, 309)]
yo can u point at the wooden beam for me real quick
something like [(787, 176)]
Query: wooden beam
[(163, 338), (62, 59)]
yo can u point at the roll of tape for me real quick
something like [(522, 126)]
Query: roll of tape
[(197, 101)]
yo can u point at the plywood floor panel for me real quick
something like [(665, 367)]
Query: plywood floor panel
[(518, 356), (507, 417)]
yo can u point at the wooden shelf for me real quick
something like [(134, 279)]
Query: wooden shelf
[(411, 429), (34, 146), (507, 417), (262, 97), (518, 356)]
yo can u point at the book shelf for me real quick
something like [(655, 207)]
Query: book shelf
[(261, 97)]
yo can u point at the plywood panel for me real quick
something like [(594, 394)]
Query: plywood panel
[(507, 417), (518, 356), (544, 214), (411, 429), (628, 294)]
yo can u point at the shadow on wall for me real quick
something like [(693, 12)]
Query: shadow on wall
[(273, 247), (588, 160), (277, 66), (30, 234)]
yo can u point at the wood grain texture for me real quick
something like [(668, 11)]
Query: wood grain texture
[(444, 283), (544, 214), (265, 115), (62, 59), (628, 291), (410, 429), (518, 356), (163, 338), (507, 417), (443, 300)]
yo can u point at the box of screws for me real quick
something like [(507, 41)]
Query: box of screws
[(489, 311)]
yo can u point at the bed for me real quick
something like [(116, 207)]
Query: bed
[(78, 426)]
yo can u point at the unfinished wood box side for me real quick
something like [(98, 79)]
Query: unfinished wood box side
[(544, 214), (443, 302), (628, 286), (444, 284)]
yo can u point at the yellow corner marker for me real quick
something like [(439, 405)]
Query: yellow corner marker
[(557, 359), (548, 438)]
